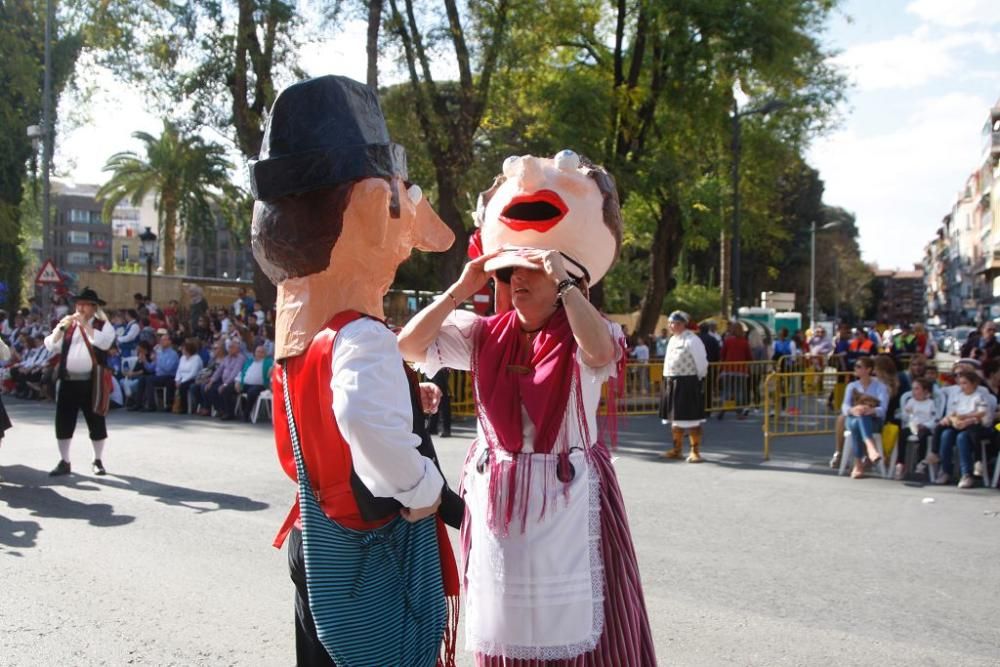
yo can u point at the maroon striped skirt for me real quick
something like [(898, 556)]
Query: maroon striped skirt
[(626, 640)]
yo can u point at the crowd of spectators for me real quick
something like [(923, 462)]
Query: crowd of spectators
[(200, 361), (945, 425)]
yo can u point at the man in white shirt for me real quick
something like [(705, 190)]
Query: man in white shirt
[(81, 338)]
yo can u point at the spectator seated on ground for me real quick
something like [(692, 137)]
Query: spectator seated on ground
[(164, 371), (32, 374), (254, 378), (968, 414), (188, 368), (133, 370), (129, 336), (221, 391), (864, 410), (920, 411), (199, 389)]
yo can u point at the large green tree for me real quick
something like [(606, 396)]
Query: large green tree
[(187, 174), (22, 49), (205, 64)]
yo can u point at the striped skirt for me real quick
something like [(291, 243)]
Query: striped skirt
[(626, 640)]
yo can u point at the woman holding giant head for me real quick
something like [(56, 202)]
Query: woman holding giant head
[(550, 570)]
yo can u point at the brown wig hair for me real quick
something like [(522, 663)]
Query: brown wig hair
[(293, 236)]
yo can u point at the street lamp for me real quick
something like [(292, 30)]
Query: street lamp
[(148, 239), (765, 108), (812, 270)]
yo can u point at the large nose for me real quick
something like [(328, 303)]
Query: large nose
[(432, 235), (530, 173)]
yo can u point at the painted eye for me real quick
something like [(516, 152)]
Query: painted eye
[(415, 193), (509, 164), (567, 160)]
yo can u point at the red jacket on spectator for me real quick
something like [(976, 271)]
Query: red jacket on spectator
[(735, 348)]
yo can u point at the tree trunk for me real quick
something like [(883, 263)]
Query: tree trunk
[(666, 248), (374, 22), (168, 231), (449, 266)]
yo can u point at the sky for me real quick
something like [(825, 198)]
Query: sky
[(924, 75)]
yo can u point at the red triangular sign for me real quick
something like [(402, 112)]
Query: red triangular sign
[(48, 275)]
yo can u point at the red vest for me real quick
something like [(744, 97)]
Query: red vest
[(327, 455)]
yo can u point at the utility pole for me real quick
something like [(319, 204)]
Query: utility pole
[(47, 133)]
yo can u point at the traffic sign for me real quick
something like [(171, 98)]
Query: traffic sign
[(48, 275)]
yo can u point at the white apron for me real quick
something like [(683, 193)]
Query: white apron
[(536, 593)]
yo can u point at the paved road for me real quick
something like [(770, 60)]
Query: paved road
[(166, 561)]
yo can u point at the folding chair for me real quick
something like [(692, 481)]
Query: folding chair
[(848, 454)]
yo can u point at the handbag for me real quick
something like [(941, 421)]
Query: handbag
[(376, 596), (101, 382)]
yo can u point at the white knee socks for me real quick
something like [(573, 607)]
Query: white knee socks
[(98, 447), (64, 449)]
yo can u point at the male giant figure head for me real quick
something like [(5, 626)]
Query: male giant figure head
[(334, 216)]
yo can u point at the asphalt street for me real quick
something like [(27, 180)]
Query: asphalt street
[(167, 560)]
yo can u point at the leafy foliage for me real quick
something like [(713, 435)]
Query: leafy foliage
[(22, 49), (187, 174)]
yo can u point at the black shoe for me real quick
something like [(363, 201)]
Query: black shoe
[(99, 468), (62, 469), (133, 408), (445, 434)]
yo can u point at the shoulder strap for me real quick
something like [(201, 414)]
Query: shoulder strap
[(86, 342), (293, 430)]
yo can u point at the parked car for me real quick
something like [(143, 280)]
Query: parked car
[(956, 339)]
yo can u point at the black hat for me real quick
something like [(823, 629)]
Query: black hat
[(323, 132), (89, 296)]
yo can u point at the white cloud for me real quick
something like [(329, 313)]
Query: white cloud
[(956, 13), (900, 184), (909, 61)]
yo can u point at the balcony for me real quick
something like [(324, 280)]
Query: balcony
[(990, 264)]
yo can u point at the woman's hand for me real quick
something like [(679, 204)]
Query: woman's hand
[(549, 261), (473, 277)]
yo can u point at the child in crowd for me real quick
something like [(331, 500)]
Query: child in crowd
[(920, 414)]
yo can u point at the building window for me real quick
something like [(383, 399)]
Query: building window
[(78, 237), (81, 216), (78, 258), (124, 254)]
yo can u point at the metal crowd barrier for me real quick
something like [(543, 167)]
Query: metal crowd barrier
[(802, 403), (733, 386), (728, 386)]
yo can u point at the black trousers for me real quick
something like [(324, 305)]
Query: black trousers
[(444, 407), (309, 652), (74, 396)]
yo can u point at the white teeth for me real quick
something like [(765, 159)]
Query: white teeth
[(415, 193)]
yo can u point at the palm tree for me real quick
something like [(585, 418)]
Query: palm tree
[(187, 174)]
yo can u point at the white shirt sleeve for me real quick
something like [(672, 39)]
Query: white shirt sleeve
[(104, 338), (54, 340), (371, 402), (453, 346), (131, 333), (697, 349), (601, 374)]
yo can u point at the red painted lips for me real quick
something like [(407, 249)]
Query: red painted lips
[(539, 211)]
